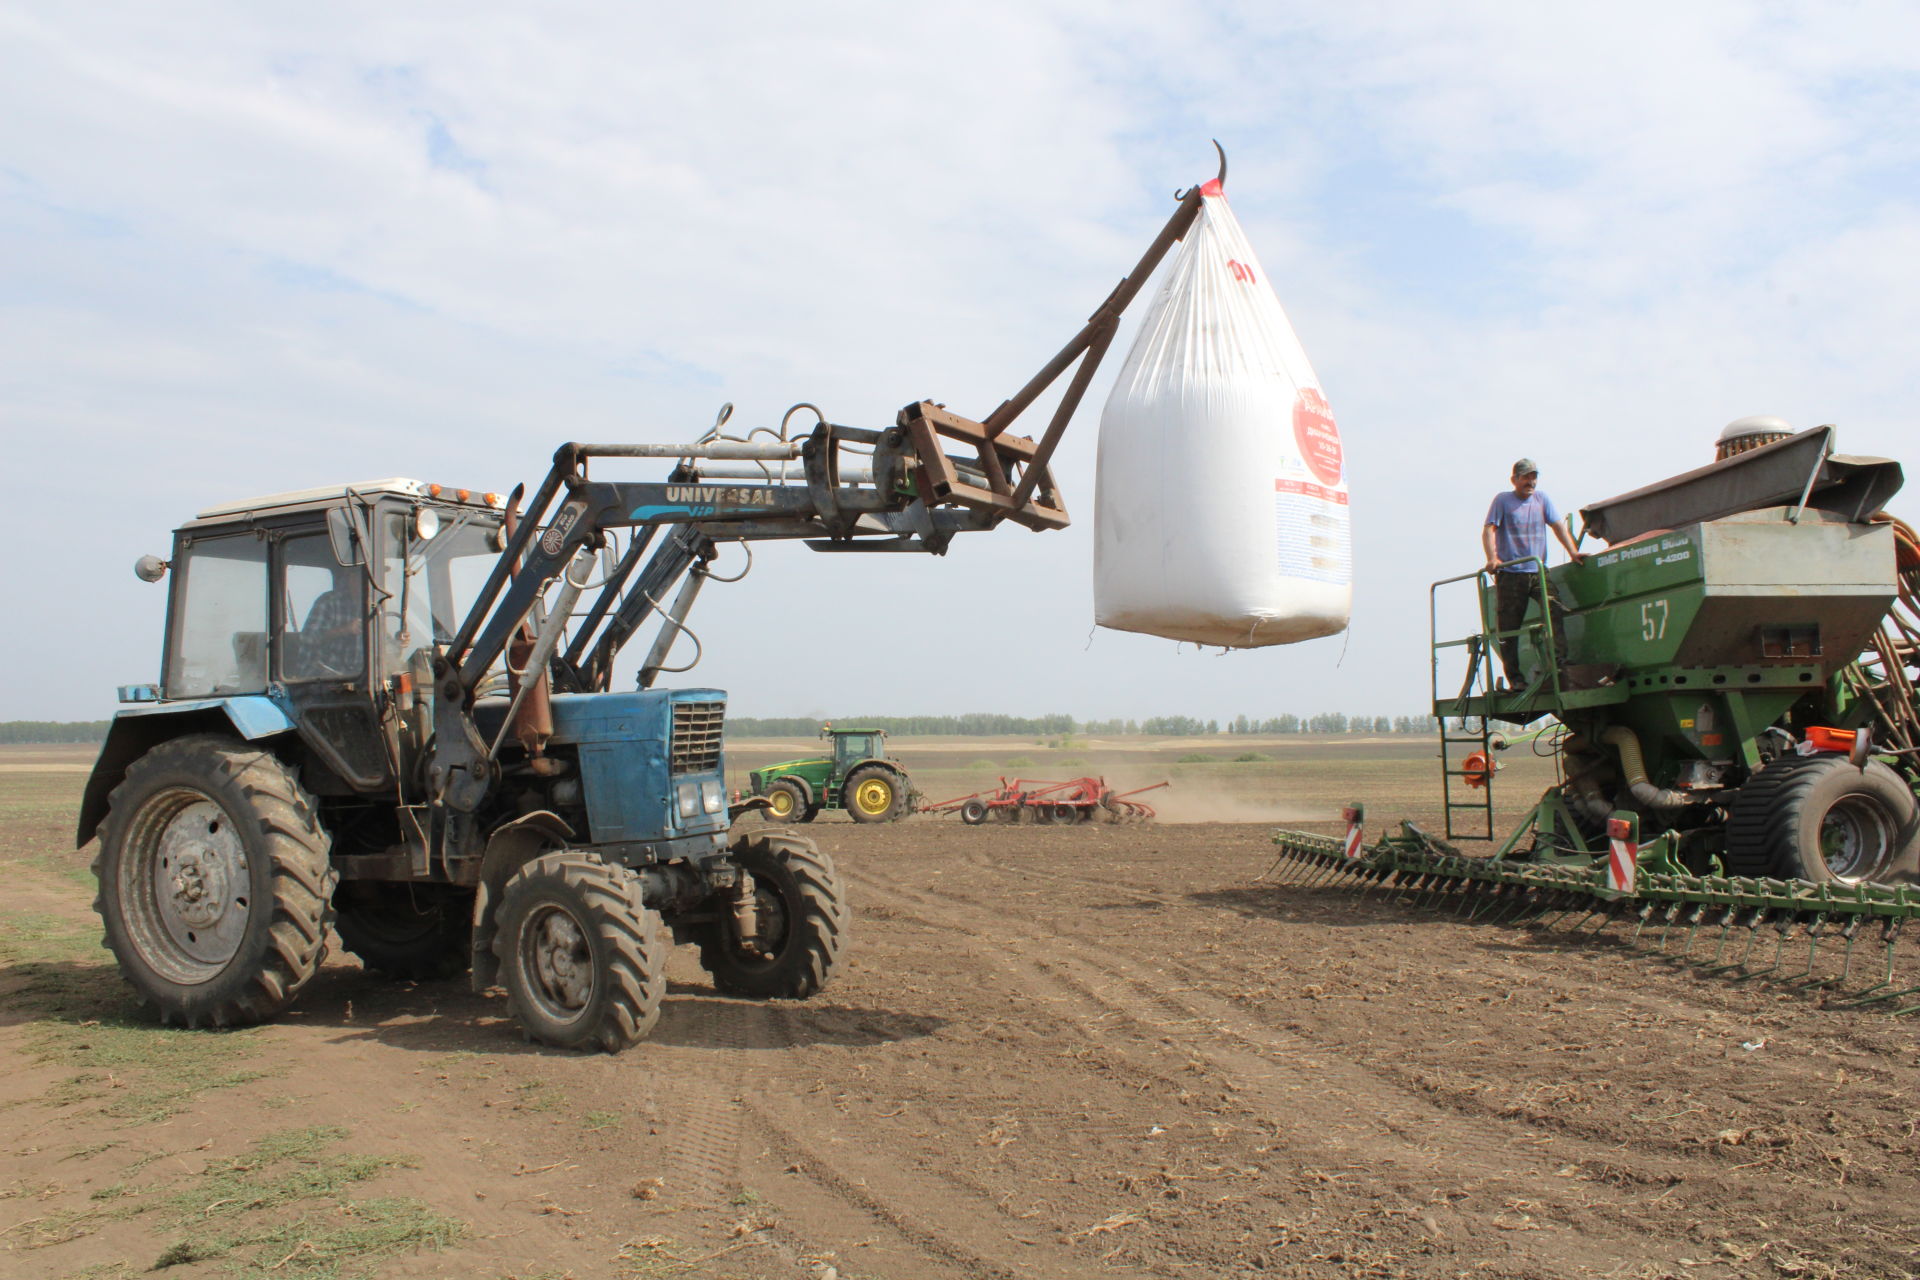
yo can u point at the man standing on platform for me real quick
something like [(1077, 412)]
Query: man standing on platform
[(1515, 541)]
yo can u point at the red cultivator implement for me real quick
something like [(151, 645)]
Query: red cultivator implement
[(1024, 799)]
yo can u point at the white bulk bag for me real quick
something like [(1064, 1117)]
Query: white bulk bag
[(1220, 504)]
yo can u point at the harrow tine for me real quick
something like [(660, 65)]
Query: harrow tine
[(1326, 872), (1698, 914), (1572, 903), (1781, 928), (1613, 912), (1848, 931), (1379, 880), (1752, 926), (1671, 914), (1287, 869), (1645, 914), (1890, 932), (1813, 930)]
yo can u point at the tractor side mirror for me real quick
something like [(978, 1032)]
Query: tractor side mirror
[(150, 568), (343, 534)]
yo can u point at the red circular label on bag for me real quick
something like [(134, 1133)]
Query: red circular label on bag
[(1318, 438)]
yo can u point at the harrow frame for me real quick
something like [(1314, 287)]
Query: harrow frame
[(1074, 800)]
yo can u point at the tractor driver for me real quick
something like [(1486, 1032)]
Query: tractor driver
[(331, 638), (1514, 538)]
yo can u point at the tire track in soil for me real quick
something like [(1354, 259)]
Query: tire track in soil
[(1387, 1118), (723, 1113), (1466, 1102), (704, 1154), (932, 1233)]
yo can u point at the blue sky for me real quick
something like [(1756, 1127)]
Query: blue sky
[(246, 248)]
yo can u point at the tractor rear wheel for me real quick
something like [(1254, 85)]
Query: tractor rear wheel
[(975, 811), (583, 959), (802, 923), (1821, 818), (421, 933), (214, 881), (786, 802), (873, 793)]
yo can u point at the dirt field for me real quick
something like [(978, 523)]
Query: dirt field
[(1054, 1053)]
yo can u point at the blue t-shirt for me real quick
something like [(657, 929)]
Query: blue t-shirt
[(1520, 529)]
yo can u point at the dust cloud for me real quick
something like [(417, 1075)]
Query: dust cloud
[(1191, 802)]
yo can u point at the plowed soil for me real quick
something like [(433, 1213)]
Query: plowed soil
[(1054, 1052)]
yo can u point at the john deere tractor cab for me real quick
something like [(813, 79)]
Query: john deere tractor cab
[(390, 707), (859, 776)]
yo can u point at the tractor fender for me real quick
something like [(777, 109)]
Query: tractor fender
[(138, 730), (510, 847), (806, 788)]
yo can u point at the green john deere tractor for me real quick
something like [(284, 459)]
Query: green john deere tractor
[(859, 777)]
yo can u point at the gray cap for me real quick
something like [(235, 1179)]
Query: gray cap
[(1524, 466)]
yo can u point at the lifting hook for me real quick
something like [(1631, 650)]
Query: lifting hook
[(1220, 178)]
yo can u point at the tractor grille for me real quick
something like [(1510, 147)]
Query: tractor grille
[(697, 730)]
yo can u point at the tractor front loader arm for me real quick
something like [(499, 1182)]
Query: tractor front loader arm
[(910, 495)]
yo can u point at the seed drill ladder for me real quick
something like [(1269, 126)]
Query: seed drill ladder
[(1466, 752)]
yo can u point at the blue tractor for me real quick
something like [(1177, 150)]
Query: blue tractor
[(388, 709)]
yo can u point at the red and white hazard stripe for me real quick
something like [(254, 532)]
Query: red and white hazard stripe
[(1623, 856), (1354, 828)]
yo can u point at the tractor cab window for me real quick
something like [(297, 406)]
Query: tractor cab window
[(431, 583), (324, 604), (849, 748), (219, 642)]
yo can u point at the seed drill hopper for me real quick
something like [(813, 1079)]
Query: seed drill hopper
[(1728, 694)]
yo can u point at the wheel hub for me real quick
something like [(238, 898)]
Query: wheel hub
[(1855, 838), (199, 879), (562, 962)]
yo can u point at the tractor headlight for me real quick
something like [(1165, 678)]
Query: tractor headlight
[(689, 794), (713, 797)]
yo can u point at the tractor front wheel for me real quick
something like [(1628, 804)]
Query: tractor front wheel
[(873, 794), (801, 923), (214, 881), (1821, 818), (786, 802), (420, 932), (583, 959)]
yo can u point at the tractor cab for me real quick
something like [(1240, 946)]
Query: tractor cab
[(852, 746), (307, 612)]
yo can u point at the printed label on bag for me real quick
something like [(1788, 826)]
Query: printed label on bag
[(1318, 438)]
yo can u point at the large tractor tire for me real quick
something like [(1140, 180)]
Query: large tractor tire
[(214, 882), (874, 793), (803, 923), (1821, 818), (583, 959), (787, 802), (420, 933)]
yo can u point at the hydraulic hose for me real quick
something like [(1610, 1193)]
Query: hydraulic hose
[(1634, 766)]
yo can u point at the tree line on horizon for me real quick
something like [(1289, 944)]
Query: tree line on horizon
[(974, 725)]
